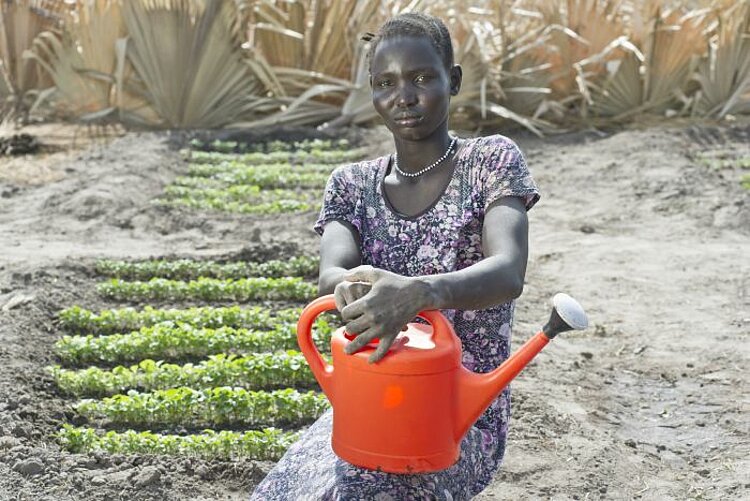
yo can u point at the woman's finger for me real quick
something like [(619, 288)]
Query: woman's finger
[(359, 342), (382, 349), (363, 273), (359, 289), (339, 296), (357, 325), (353, 310), (349, 296)]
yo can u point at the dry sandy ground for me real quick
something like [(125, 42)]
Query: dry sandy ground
[(651, 402)]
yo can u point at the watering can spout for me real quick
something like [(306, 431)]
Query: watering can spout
[(477, 391)]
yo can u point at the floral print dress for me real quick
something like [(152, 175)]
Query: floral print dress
[(445, 237)]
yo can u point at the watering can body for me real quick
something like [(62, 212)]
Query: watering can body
[(392, 416), (408, 412)]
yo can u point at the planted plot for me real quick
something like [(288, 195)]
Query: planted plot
[(240, 371), (170, 341), (188, 269), (235, 172), (255, 372), (240, 199), (236, 193), (210, 289), (270, 146), (121, 320), (294, 157), (268, 444), (263, 180), (221, 205), (267, 180), (733, 163), (222, 406), (719, 160)]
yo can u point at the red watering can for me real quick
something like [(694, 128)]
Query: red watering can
[(420, 388)]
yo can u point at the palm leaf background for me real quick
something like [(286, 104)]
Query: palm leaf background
[(542, 64)]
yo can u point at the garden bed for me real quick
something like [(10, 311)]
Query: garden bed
[(645, 227)]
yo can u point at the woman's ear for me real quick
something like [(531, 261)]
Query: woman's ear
[(456, 76)]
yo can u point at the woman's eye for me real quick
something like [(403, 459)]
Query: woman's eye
[(422, 78), (383, 83)]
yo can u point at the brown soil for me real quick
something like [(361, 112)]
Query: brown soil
[(651, 402)]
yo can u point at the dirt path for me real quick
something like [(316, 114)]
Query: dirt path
[(651, 402)]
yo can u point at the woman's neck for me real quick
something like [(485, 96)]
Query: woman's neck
[(416, 155)]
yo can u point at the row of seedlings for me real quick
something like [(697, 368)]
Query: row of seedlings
[(229, 377), (270, 178)]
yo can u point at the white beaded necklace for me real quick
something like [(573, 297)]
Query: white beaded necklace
[(431, 166)]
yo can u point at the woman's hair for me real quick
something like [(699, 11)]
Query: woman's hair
[(414, 24)]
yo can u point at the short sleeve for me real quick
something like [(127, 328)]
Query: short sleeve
[(340, 200), (507, 175)]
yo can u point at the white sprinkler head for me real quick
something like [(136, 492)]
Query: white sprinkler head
[(570, 311)]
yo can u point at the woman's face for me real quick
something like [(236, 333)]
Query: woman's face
[(411, 88)]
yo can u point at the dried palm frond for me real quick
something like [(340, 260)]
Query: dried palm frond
[(189, 59), (672, 50), (56, 53), (308, 113), (5, 89), (620, 87), (647, 70), (65, 54), (101, 38), (520, 81), (523, 81), (277, 33), (574, 31), (315, 35), (491, 43), (311, 46), (724, 75), (358, 107), (20, 22)]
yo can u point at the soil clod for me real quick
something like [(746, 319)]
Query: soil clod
[(29, 467)]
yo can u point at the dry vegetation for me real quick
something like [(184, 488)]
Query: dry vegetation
[(545, 65)]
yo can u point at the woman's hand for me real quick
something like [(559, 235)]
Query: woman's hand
[(383, 304), (347, 292)]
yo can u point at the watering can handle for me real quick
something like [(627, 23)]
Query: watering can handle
[(322, 371)]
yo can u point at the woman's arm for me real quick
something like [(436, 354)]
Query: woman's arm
[(394, 300), (496, 279), (339, 253)]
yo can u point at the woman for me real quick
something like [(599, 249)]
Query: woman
[(440, 224)]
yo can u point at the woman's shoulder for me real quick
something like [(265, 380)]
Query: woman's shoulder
[(484, 154), (493, 142)]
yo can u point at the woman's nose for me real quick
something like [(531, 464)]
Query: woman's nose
[(406, 96)]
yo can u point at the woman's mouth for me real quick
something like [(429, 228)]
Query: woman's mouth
[(408, 120)]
